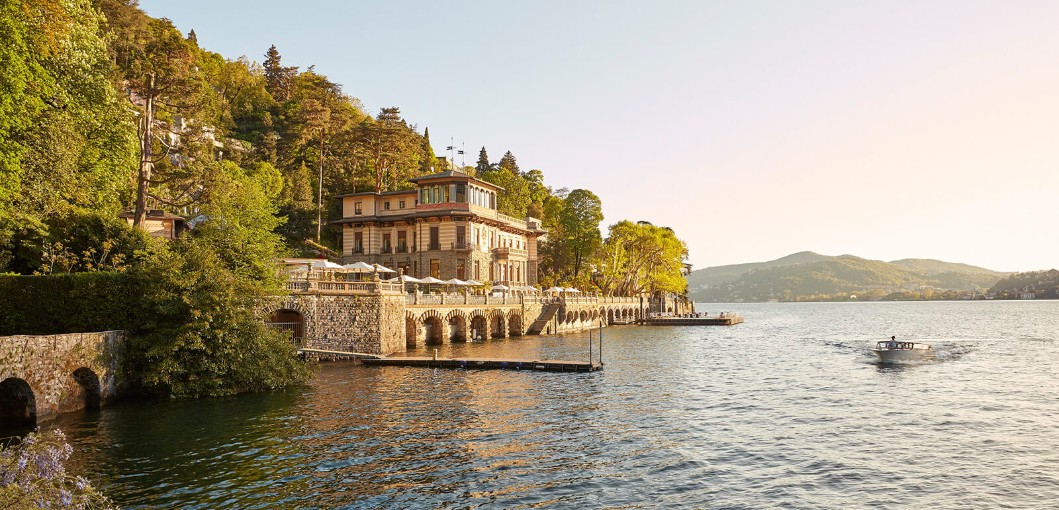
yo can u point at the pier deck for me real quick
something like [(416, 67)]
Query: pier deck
[(486, 364), (715, 320)]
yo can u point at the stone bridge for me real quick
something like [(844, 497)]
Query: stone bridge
[(41, 376), (379, 318)]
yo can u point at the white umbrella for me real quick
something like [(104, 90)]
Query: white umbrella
[(410, 279), (474, 283), (429, 280), (379, 268), (555, 289), (326, 264), (456, 281), (572, 290), (501, 287), (359, 267)]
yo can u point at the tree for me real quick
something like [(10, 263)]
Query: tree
[(515, 198), (427, 159), (389, 149), (278, 79), (582, 211), (507, 162), (640, 257), (483, 165)]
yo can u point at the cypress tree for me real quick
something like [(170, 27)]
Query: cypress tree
[(483, 165), (426, 161)]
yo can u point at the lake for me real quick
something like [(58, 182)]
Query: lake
[(785, 410)]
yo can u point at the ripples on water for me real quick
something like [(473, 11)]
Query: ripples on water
[(785, 410)]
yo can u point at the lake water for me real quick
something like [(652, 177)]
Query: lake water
[(786, 410)]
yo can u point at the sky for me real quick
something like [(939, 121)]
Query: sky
[(754, 129)]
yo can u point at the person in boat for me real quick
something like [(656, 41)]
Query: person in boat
[(892, 344)]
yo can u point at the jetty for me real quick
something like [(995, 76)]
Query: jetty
[(485, 364), (724, 319)]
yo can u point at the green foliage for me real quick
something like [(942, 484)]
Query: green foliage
[(33, 475), (483, 165), (508, 163), (196, 334), (66, 303), (639, 258), (514, 200), (1041, 284)]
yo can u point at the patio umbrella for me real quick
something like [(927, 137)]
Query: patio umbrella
[(456, 281), (359, 267), (572, 290), (409, 279), (326, 264), (474, 283), (555, 289), (501, 287), (379, 268), (429, 280)]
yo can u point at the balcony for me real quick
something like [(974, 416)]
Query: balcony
[(386, 249), (462, 246), (401, 248), (358, 249), (507, 252)]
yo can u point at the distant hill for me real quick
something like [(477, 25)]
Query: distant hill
[(811, 276)]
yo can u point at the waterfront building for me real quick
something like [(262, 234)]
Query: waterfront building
[(159, 223), (447, 227)]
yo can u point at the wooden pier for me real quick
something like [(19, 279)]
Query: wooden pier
[(486, 364), (716, 320)]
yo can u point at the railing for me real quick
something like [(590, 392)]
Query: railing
[(592, 300), (358, 249), (462, 245), (341, 287), (402, 249), (386, 249), (507, 251), (292, 330)]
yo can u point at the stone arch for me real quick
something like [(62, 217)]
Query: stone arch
[(610, 315), (18, 404), (479, 325), (570, 316), (514, 324), (291, 322), (497, 324), (457, 322), (90, 387), (583, 316), (433, 330), (269, 309)]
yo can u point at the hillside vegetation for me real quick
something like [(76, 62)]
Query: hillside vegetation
[(808, 276)]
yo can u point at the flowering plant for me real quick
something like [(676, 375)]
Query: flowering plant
[(33, 475)]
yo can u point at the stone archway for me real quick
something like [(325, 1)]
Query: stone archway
[(457, 326), (18, 404), (433, 330), (497, 325), (610, 315), (583, 316), (291, 322), (514, 325), (89, 383), (479, 327)]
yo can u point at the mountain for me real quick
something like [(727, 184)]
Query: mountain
[(811, 276)]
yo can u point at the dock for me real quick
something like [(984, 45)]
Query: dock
[(326, 354), (715, 320), (486, 364)]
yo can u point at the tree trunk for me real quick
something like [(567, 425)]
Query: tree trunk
[(143, 177)]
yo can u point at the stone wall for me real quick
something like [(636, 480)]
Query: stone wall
[(63, 372), (365, 323)]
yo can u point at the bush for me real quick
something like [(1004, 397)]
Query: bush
[(33, 475)]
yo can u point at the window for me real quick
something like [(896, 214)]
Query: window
[(461, 238), (357, 208), (461, 192), (400, 204), (386, 243), (424, 195), (435, 268), (460, 270), (435, 243), (358, 242), (402, 241), (492, 277), (477, 270), (386, 205)]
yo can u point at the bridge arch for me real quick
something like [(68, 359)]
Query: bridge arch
[(497, 324), (433, 327), (18, 404), (479, 324), (411, 331), (91, 390), (289, 321)]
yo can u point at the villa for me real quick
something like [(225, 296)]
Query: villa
[(448, 227)]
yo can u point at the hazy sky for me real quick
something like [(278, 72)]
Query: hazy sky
[(886, 130)]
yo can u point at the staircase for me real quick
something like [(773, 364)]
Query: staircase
[(547, 314)]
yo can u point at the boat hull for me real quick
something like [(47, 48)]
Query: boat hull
[(903, 355)]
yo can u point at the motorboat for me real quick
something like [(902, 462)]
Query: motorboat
[(889, 351)]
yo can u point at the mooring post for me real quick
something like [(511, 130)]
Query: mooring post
[(601, 342), (590, 349)]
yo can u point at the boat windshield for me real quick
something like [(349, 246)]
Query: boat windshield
[(887, 345)]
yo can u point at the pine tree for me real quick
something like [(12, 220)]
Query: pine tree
[(278, 79), (483, 165), (426, 162), (508, 163), (193, 39)]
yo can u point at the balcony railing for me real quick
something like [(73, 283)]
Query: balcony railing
[(402, 248), (462, 246), (504, 252), (386, 249), (340, 287)]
